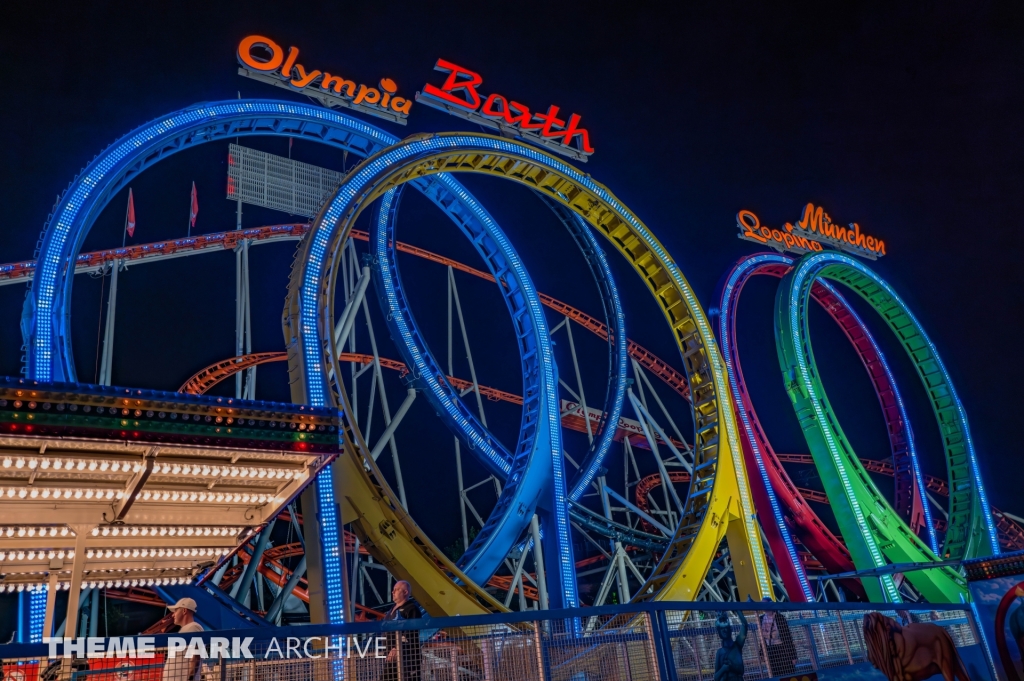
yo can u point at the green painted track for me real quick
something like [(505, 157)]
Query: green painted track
[(873, 531)]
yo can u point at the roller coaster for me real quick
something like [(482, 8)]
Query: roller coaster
[(731, 524)]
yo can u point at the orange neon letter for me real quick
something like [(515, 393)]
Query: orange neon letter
[(303, 78), (370, 95), (748, 222), (293, 54), (451, 85), (811, 221), (246, 57), (401, 105), (339, 84)]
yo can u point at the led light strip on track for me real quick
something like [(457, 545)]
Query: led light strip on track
[(46, 327), (869, 525), (527, 472), (719, 503), (445, 398), (399, 543), (618, 350), (774, 485)]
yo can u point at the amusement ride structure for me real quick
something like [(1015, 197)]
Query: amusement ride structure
[(708, 515)]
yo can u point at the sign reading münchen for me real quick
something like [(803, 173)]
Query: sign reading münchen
[(810, 233)]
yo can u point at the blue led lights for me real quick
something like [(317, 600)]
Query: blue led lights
[(519, 497), (47, 318), (36, 613), (814, 264), (619, 356), (908, 432), (867, 537), (736, 280), (526, 474), (46, 324)]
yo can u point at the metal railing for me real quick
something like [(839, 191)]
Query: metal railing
[(643, 642)]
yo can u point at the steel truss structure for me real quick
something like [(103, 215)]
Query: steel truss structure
[(688, 559), (673, 548)]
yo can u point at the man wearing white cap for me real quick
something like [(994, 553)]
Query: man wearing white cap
[(184, 615)]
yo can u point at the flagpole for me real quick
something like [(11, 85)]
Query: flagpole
[(190, 200), (124, 235)]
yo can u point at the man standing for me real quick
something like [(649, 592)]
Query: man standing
[(184, 615), (406, 608), (778, 640)]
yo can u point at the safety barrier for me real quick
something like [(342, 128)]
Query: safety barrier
[(656, 641)]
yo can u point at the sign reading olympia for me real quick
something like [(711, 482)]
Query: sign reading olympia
[(810, 233), (264, 60)]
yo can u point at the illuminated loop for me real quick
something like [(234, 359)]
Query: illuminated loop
[(618, 350), (46, 322), (773, 490), (527, 471), (446, 398), (868, 524), (718, 504)]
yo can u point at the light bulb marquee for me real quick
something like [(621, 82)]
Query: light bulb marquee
[(139, 486)]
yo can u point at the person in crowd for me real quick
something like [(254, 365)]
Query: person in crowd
[(403, 646), (778, 642), (183, 668)]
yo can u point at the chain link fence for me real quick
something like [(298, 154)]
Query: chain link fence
[(652, 642)]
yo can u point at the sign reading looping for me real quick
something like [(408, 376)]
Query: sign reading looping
[(814, 229)]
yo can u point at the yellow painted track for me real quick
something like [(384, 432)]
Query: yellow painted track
[(718, 505)]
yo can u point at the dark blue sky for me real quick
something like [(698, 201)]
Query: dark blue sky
[(906, 121)]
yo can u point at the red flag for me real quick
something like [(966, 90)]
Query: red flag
[(193, 210), (130, 220)]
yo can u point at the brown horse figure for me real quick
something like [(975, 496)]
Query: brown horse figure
[(912, 653)]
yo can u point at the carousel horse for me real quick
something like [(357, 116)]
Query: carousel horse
[(912, 653)]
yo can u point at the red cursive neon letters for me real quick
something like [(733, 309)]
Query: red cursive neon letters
[(460, 89)]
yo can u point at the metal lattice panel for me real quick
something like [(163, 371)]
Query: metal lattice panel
[(270, 181)]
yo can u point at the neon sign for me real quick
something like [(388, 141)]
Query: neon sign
[(814, 229), (458, 96), (273, 66)]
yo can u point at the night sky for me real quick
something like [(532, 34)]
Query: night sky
[(905, 121)]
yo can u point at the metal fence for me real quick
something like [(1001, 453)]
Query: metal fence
[(650, 642)]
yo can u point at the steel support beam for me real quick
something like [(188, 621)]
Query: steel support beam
[(277, 607), (240, 589), (538, 559), (108, 331)]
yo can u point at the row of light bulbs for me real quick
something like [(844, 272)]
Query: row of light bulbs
[(217, 497), (109, 584), (59, 493), (154, 553), (35, 531), (146, 495), (123, 531), (170, 468), (137, 531), (33, 555)]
